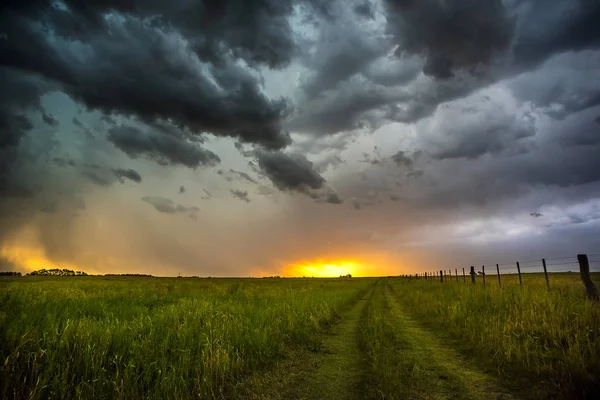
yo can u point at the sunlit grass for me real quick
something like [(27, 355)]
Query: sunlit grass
[(159, 338)]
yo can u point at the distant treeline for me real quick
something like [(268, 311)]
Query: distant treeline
[(57, 272), (145, 275), (9, 273)]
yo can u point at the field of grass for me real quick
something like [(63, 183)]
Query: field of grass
[(131, 338), (389, 338)]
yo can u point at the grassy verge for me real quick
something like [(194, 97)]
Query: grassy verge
[(407, 362), (335, 371), (543, 344)]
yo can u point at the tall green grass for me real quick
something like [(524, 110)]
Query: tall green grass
[(125, 338), (527, 334)]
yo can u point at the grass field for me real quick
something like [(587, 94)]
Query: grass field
[(390, 338)]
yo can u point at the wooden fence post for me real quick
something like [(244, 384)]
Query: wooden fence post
[(464, 276), (584, 270), (483, 274), (456, 274), (546, 273), (472, 274), (519, 271), (441, 277), (498, 270)]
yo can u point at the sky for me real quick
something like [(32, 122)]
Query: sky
[(238, 138)]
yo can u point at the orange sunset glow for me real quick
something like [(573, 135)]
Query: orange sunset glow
[(327, 268), (31, 258)]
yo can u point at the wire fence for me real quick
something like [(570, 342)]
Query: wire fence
[(494, 273)]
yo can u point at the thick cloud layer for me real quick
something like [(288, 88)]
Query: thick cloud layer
[(166, 149), (452, 35), (364, 129)]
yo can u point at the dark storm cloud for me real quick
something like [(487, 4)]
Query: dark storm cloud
[(548, 27), (364, 9), (289, 171), (215, 94), (128, 173), (340, 110), (19, 94), (563, 85), (167, 206), (240, 194), (50, 120), (452, 35), (342, 52), (165, 149)]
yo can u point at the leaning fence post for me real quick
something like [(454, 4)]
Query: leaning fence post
[(456, 274), (441, 277), (546, 273), (483, 274), (472, 274), (519, 272), (498, 270), (464, 276), (584, 270)]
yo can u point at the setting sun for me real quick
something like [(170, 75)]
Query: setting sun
[(324, 268)]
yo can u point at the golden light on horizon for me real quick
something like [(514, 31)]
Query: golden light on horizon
[(31, 259), (324, 268)]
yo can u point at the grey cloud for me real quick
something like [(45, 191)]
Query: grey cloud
[(244, 175), (563, 85), (130, 174), (343, 51), (394, 70), (165, 149), (289, 171), (460, 34), (240, 194), (97, 178), (333, 198), (161, 204), (548, 27), (50, 120), (167, 206), (364, 9), (175, 85), (478, 126), (401, 159), (331, 160), (576, 129), (341, 110)]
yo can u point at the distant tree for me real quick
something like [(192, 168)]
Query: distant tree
[(57, 272), (9, 273)]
